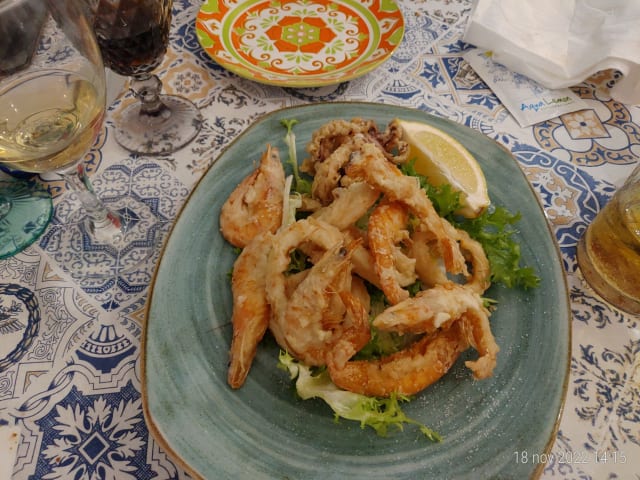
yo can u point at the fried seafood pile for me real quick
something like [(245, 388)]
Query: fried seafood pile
[(366, 222)]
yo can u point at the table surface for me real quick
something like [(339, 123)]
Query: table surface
[(80, 362)]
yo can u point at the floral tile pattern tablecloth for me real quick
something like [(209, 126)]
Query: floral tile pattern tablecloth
[(70, 340)]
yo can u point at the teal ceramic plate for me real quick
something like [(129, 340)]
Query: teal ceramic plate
[(262, 431), (25, 212)]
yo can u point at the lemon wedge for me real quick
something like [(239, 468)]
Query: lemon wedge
[(442, 159)]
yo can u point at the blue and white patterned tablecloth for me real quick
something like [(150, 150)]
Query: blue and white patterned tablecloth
[(70, 345)]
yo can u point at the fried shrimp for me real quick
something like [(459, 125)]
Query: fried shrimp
[(335, 133), (429, 266), (406, 372), (255, 205), (330, 136), (330, 172), (355, 332), (477, 331), (359, 290), (315, 311), (251, 311), (438, 308), (315, 282), (431, 309), (386, 229), (362, 259), (285, 241), (349, 205), (369, 164), (392, 143), (480, 278)]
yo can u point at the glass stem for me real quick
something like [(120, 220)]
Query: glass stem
[(102, 223), (147, 88)]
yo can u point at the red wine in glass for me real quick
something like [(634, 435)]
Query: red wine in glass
[(134, 55), (133, 36)]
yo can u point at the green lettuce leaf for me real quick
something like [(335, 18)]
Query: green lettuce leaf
[(300, 185), (494, 229), (381, 414)]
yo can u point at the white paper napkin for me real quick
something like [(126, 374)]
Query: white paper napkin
[(527, 100), (560, 43)]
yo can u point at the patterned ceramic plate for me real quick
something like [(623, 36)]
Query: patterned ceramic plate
[(263, 431), (300, 43)]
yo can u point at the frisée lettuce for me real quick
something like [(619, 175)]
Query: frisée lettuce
[(381, 414)]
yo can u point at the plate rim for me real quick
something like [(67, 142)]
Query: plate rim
[(156, 431), (27, 193), (294, 81)]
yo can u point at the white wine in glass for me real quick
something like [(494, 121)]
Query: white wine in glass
[(51, 120), (52, 98)]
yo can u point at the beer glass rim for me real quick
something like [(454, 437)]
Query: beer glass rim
[(8, 4)]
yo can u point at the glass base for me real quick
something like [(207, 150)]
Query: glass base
[(123, 240), (605, 287), (109, 230), (25, 212), (165, 132), (121, 248)]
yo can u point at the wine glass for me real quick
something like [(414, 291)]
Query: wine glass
[(52, 98), (133, 36)]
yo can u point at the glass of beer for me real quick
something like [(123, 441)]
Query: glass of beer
[(609, 250), (133, 36)]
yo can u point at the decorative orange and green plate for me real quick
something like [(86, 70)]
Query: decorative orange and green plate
[(300, 43)]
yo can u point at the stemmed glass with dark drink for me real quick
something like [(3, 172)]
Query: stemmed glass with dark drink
[(133, 36)]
